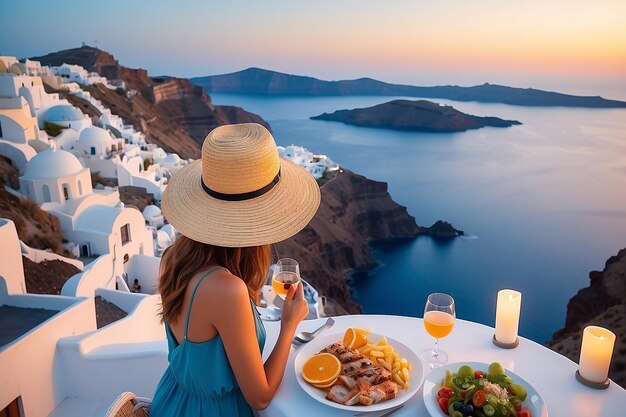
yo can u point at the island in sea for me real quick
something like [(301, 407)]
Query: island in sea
[(266, 82), (421, 115)]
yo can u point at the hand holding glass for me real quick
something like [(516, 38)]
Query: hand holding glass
[(439, 315), (286, 273)]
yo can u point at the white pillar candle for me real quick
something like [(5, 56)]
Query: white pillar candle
[(507, 315), (595, 353)]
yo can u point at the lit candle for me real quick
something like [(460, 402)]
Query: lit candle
[(507, 315), (595, 353)]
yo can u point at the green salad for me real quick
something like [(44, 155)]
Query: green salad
[(471, 392)]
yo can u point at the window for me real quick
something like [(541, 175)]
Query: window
[(93, 150), (80, 188), (125, 232), (12, 410), (66, 191), (0, 129), (46, 193)]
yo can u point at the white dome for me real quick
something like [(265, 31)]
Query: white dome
[(150, 212), (63, 113), (170, 230), (94, 136), (171, 160), (52, 164), (163, 240), (159, 153)]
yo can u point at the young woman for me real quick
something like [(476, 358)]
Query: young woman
[(229, 207)]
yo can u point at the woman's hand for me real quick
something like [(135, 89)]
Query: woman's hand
[(295, 307)]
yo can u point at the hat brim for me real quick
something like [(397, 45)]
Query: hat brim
[(273, 217)]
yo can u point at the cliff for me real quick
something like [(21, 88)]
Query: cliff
[(171, 111), (354, 212), (420, 115), (603, 303), (266, 82)]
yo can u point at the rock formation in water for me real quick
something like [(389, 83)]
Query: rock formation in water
[(603, 304), (171, 111), (420, 115), (266, 82)]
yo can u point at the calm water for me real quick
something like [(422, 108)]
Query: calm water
[(543, 203)]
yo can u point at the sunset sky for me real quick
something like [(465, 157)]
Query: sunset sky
[(570, 45)]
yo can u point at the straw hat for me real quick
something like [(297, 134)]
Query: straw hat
[(241, 193)]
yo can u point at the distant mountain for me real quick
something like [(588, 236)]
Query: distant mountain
[(265, 82), (172, 112), (414, 115)]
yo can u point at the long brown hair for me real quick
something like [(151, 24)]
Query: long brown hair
[(186, 257)]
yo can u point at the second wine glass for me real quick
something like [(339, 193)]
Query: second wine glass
[(439, 316)]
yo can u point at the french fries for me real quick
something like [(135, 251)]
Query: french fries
[(383, 354)]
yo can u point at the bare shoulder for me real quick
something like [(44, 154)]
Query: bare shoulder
[(223, 286)]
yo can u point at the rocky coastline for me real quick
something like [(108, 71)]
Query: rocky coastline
[(354, 213), (603, 304)]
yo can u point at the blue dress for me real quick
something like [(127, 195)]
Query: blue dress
[(199, 380)]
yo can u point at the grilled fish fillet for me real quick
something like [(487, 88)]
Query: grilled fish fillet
[(360, 381)]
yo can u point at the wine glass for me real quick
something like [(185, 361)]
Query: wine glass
[(286, 273), (439, 315)]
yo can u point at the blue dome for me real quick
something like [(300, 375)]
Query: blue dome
[(63, 113)]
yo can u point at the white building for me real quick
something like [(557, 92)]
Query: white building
[(317, 165), (95, 220), (29, 359), (55, 176), (66, 115), (17, 128), (78, 74), (153, 216), (29, 87)]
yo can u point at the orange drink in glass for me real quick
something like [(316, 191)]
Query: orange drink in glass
[(439, 315), (286, 273), (438, 323)]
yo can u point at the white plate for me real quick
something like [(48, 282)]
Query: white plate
[(432, 384), (312, 348)]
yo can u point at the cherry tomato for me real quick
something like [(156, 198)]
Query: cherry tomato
[(518, 407), (525, 412), (443, 404), (463, 394), (479, 398), (478, 374), (445, 392)]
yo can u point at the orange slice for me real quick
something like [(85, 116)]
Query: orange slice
[(354, 338), (324, 386), (321, 369), (363, 332)]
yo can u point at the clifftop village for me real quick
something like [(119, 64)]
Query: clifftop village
[(72, 166)]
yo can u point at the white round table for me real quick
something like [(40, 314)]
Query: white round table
[(549, 372)]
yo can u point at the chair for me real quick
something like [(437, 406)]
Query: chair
[(128, 404)]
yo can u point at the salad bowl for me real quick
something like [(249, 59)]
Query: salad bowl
[(433, 382)]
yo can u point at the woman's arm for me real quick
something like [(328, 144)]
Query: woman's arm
[(234, 321)]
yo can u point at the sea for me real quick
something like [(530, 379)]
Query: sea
[(542, 204)]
